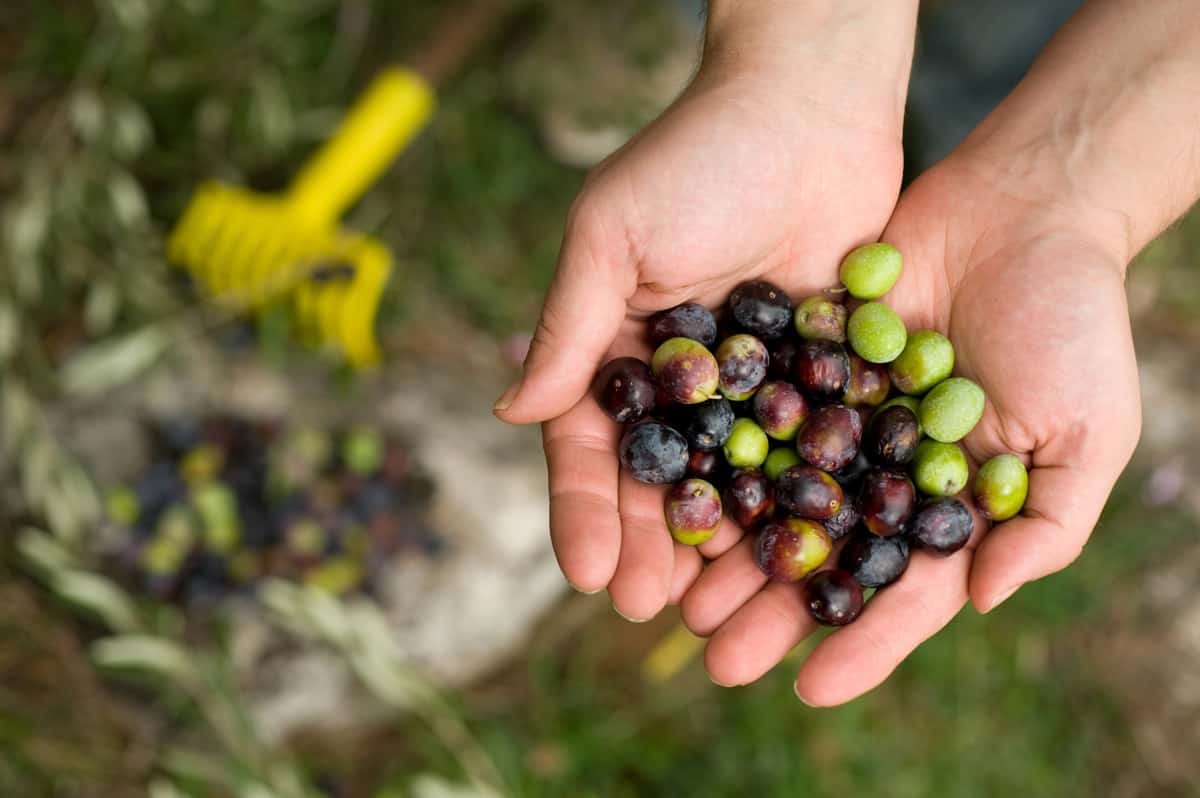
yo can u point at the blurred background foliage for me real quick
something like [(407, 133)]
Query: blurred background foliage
[(110, 111)]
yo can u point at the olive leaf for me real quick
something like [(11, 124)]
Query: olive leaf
[(161, 788), (150, 654), (42, 552), (97, 595), (108, 364), (10, 330)]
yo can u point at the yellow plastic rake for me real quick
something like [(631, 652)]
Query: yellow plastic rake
[(246, 249), (336, 299)]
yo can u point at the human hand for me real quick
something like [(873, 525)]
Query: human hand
[(775, 162), (1030, 291), (1016, 246)]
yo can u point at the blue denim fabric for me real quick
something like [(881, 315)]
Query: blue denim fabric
[(970, 54)]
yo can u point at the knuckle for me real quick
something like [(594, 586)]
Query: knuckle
[(543, 336), (585, 216), (1071, 551)]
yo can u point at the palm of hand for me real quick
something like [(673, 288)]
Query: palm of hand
[(722, 189), (1036, 311)]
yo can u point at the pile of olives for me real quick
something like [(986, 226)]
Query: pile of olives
[(226, 502), (808, 424)]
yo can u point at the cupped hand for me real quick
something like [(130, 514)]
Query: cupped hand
[(1030, 292), (745, 176)]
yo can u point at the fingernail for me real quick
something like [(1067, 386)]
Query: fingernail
[(802, 699), (578, 589), (1003, 597), (628, 618), (506, 399), (714, 681)]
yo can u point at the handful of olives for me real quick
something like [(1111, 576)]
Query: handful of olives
[(838, 425)]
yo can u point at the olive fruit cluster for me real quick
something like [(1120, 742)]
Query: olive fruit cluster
[(814, 426), (226, 502)]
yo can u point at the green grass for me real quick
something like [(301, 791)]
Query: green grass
[(476, 212)]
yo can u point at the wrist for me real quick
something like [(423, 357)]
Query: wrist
[(1105, 123), (849, 58), (1026, 200)]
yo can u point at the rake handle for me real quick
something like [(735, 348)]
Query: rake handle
[(387, 117)]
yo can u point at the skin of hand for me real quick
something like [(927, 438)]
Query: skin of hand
[(1016, 248), (773, 163), (1034, 302)]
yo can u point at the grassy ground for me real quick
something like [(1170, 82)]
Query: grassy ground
[(1009, 704), (1017, 703)]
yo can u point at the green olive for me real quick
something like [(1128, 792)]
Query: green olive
[(1001, 487), (870, 271), (747, 445), (927, 359), (779, 460), (940, 469), (876, 333), (952, 409)]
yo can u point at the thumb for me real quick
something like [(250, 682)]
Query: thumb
[(582, 314)]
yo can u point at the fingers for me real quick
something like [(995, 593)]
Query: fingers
[(1063, 506), (585, 526), (723, 587), (647, 570), (759, 635), (728, 534), (897, 619), (581, 316), (688, 564), (642, 583)]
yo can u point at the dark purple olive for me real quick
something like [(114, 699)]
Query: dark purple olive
[(829, 437), (851, 475), (789, 549), (761, 308), (688, 320), (177, 436), (664, 405), (821, 317), (808, 492), (654, 453), (727, 326), (625, 389), (822, 369), (892, 436), (749, 498), (685, 371), (781, 363), (842, 522), (708, 466), (707, 425), (874, 561), (833, 598), (780, 409), (886, 500), (742, 364), (943, 526), (869, 383)]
